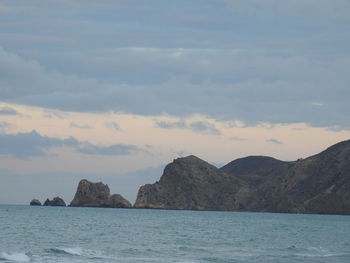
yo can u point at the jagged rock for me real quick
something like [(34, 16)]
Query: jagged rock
[(35, 202), (318, 184), (117, 201), (91, 194), (191, 183), (56, 201)]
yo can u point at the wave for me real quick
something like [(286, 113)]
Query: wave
[(15, 257), (78, 252), (75, 251)]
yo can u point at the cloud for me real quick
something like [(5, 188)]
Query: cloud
[(171, 124), (8, 111), (25, 145), (226, 63), (80, 126), (325, 9), (200, 127), (113, 125), (118, 149), (204, 127), (274, 141), (317, 104), (32, 144), (4, 126)]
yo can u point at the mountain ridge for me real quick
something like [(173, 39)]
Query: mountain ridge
[(317, 184)]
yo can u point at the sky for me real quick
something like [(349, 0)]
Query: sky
[(113, 90)]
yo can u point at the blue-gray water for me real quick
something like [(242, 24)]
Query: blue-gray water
[(54, 234)]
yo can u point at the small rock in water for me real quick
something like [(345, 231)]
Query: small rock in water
[(35, 202), (56, 201)]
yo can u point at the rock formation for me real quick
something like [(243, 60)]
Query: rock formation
[(117, 201), (56, 201), (35, 202), (191, 183), (90, 194), (318, 184)]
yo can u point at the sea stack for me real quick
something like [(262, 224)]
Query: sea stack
[(56, 201), (91, 194), (35, 202)]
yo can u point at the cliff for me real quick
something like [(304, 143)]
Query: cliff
[(191, 183), (318, 184), (91, 194)]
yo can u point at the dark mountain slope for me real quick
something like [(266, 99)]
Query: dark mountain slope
[(191, 183), (318, 184), (253, 169)]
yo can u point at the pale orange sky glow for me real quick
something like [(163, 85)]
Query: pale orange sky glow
[(219, 141)]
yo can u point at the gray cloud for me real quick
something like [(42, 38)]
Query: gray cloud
[(198, 126), (171, 124), (118, 149), (113, 125), (26, 145), (8, 111), (204, 127), (4, 125), (80, 126), (228, 63), (274, 141)]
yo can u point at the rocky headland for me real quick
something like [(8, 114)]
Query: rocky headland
[(91, 194), (318, 184)]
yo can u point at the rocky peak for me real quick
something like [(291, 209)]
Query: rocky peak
[(97, 195), (190, 183)]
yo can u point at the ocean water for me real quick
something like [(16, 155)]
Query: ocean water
[(67, 234)]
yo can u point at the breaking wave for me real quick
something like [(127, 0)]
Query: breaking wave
[(15, 257)]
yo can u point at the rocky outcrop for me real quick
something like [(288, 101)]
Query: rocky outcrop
[(91, 194), (318, 184), (191, 183), (56, 201), (35, 202), (117, 201)]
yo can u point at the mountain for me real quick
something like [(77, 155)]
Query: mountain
[(193, 184), (317, 184)]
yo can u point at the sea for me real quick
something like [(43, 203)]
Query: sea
[(96, 235)]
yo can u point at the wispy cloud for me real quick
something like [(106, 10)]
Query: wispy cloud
[(32, 144), (274, 141), (80, 126), (315, 103), (201, 127), (118, 149), (113, 125), (8, 111), (4, 126)]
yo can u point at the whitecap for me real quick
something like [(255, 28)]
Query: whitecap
[(77, 251), (16, 257), (74, 251)]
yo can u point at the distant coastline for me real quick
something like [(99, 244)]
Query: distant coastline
[(319, 184)]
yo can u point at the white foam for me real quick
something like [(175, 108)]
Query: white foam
[(76, 251), (16, 257)]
